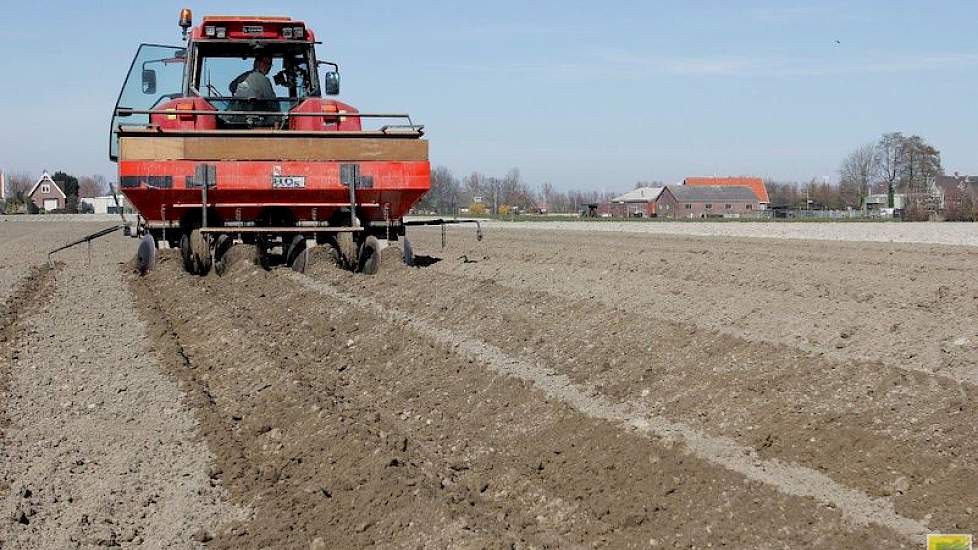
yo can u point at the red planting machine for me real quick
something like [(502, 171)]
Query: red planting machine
[(232, 137)]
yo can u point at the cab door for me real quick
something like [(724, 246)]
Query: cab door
[(156, 75)]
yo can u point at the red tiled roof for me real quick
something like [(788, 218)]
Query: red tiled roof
[(756, 184)]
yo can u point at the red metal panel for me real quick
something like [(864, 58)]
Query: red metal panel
[(329, 122), (173, 120), (271, 27), (396, 186)]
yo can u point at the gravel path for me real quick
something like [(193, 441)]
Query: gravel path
[(896, 232)]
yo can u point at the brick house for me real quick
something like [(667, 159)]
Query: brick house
[(685, 201), (755, 184), (47, 195)]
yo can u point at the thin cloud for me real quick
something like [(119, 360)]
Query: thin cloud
[(629, 66), (890, 64), (782, 14), (632, 66)]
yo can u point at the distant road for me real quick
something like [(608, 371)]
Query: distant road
[(74, 218), (948, 233)]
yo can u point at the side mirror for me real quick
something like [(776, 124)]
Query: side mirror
[(149, 81), (332, 86)]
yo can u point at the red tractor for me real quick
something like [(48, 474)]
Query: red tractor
[(231, 138)]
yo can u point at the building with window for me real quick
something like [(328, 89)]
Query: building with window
[(685, 201), (956, 192), (637, 202), (47, 195), (108, 204), (754, 184)]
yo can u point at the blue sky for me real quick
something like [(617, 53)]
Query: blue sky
[(584, 95)]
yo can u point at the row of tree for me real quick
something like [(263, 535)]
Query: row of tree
[(894, 164), (449, 194), (75, 188)]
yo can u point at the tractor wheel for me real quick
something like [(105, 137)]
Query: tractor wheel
[(221, 247), (185, 255), (200, 252), (369, 257), (295, 255)]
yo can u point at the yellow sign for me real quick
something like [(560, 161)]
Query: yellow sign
[(949, 542)]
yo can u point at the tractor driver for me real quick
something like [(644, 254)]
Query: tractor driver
[(254, 84)]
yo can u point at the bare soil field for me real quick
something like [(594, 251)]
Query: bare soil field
[(540, 389), (874, 231), (97, 446)]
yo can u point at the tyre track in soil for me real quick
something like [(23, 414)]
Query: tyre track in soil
[(793, 480), (99, 450), (788, 405), (19, 305), (340, 425), (871, 301), (24, 245), (881, 425)]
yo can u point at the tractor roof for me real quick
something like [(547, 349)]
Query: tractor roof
[(245, 19), (252, 27)]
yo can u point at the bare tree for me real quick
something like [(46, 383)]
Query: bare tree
[(19, 185), (556, 201), (907, 163), (515, 192), (889, 152), (478, 185), (921, 164), (444, 196), (857, 173), (959, 204), (92, 186), (788, 194), (87, 187)]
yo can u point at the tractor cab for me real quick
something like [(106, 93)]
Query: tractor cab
[(252, 73)]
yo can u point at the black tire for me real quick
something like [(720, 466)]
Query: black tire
[(185, 255), (221, 247), (200, 252), (295, 255), (369, 258)]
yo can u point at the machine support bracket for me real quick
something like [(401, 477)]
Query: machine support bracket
[(443, 223)]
